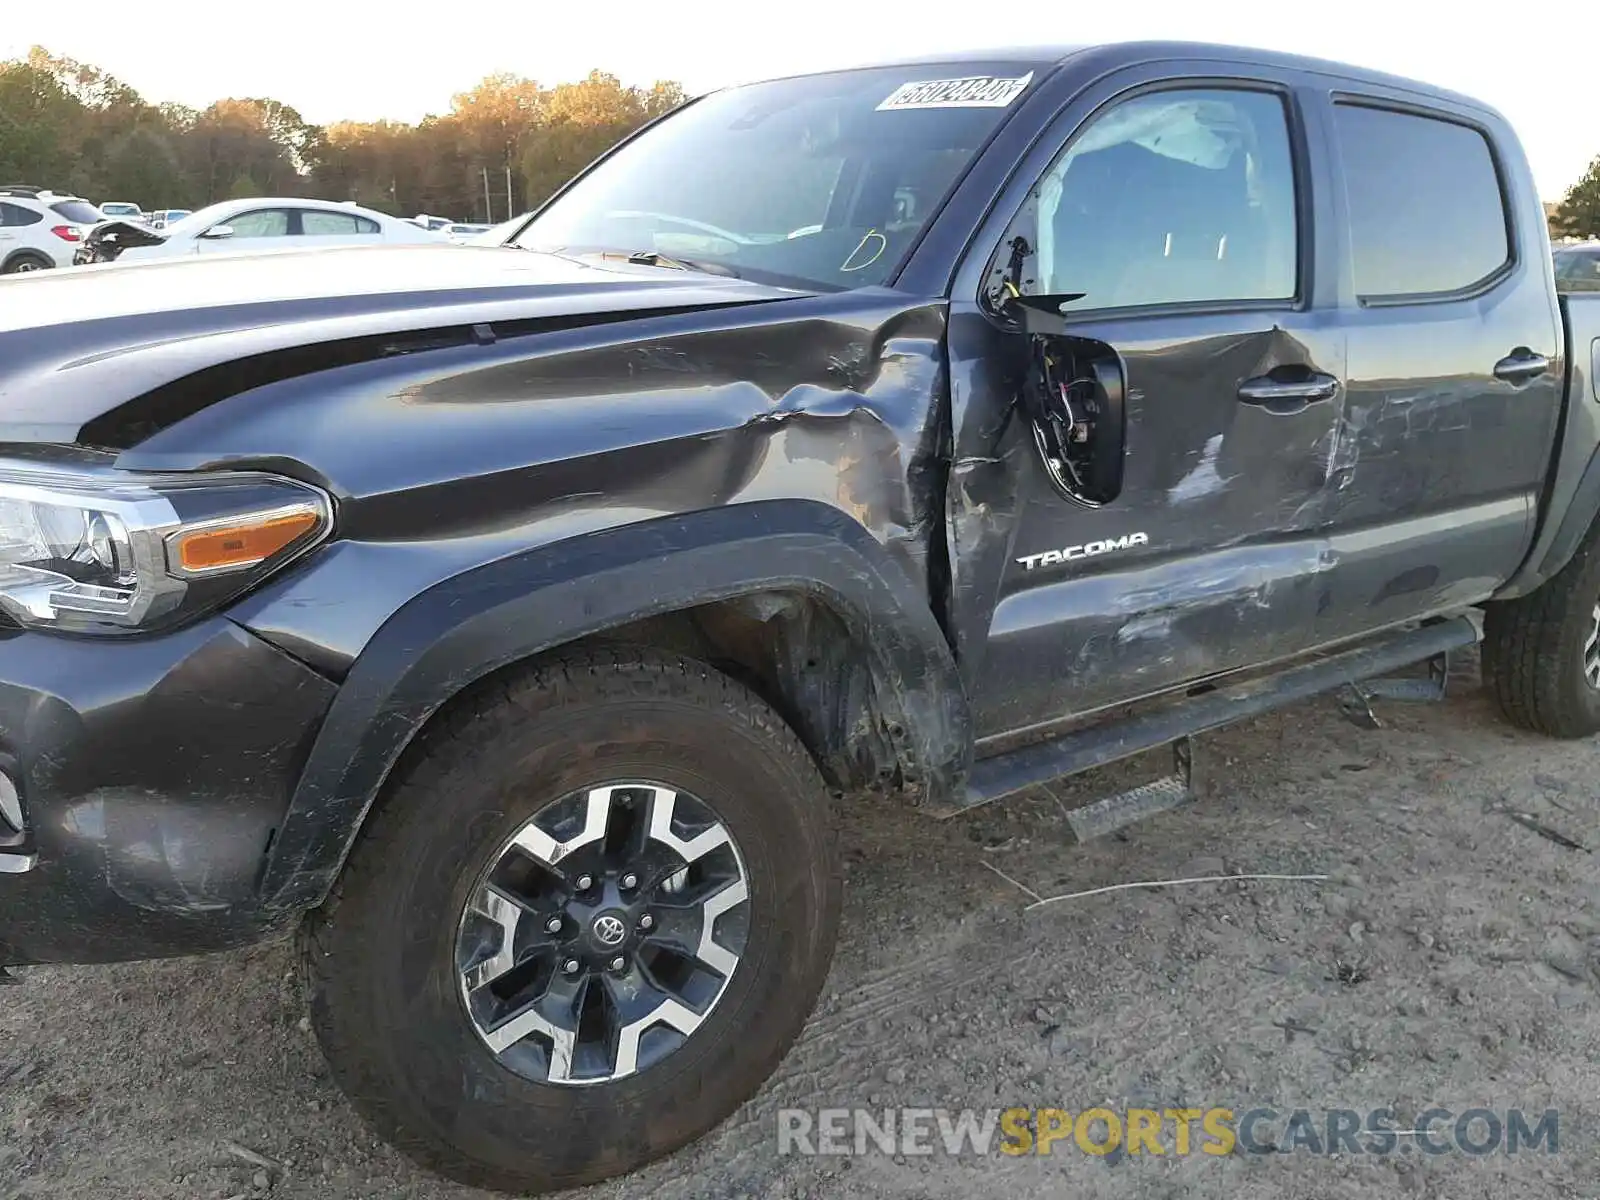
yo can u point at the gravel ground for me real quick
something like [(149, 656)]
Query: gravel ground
[(1450, 959)]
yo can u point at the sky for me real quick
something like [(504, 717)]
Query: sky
[(402, 59)]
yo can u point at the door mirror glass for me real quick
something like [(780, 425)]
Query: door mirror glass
[(218, 231)]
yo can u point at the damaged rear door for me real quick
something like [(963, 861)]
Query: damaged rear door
[(1455, 359), (1152, 459)]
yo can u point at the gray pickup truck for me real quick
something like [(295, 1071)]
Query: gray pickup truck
[(508, 621)]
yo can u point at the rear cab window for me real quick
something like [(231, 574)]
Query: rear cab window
[(1426, 206), (1578, 270)]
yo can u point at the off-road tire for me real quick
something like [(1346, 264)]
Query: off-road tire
[(379, 955), (1533, 650)]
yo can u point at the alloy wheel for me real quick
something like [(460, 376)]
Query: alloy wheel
[(603, 934)]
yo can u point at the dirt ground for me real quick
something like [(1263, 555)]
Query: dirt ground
[(1451, 959)]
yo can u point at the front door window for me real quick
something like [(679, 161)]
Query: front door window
[(1176, 197)]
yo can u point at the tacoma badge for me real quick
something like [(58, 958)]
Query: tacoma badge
[(1054, 558)]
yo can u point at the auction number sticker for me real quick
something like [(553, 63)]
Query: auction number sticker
[(974, 91)]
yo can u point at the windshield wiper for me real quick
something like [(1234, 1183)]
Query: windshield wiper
[(654, 258)]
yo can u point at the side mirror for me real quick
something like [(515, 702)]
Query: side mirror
[(1039, 314), (1075, 396), (218, 231)]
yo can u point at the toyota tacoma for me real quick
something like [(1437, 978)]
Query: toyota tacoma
[(507, 622)]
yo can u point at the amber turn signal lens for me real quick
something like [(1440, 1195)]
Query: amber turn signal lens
[(244, 544)]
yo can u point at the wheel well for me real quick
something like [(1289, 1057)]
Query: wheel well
[(795, 652)]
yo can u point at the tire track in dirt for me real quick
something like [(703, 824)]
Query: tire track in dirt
[(834, 1054)]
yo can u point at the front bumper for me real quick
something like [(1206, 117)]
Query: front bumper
[(151, 775)]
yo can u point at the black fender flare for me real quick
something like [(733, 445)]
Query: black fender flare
[(1575, 523), (504, 612)]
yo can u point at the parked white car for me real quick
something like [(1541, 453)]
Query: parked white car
[(261, 226), (40, 229), (499, 235), (461, 232), (116, 210)]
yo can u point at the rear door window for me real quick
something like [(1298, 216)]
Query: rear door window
[(316, 223), (1427, 214), (14, 214)]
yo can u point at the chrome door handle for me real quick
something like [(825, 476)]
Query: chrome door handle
[(1520, 366), (1288, 396)]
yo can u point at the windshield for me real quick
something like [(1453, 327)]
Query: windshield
[(822, 180)]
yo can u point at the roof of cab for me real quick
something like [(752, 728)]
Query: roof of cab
[(1106, 56)]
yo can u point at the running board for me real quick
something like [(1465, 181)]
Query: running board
[(1357, 704), (1096, 746), (1110, 813)]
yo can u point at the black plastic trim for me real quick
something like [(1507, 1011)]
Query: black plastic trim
[(505, 612)]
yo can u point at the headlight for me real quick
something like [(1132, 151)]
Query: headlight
[(108, 551)]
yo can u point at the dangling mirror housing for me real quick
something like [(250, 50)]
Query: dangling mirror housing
[(1074, 396)]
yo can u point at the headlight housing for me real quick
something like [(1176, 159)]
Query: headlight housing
[(107, 551)]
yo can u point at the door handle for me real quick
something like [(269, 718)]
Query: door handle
[(1520, 366), (1288, 396)]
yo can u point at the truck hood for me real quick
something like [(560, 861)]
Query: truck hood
[(76, 344)]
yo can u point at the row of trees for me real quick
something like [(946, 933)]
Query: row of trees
[(72, 127), (1579, 213)]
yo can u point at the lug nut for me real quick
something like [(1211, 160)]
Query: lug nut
[(646, 921), (570, 967), (585, 882), (630, 880), (553, 925), (616, 963)]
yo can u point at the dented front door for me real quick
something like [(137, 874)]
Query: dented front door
[(1175, 213), (1205, 562)]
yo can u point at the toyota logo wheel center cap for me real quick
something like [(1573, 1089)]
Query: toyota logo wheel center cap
[(609, 929)]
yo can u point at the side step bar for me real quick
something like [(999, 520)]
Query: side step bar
[(1110, 813), (1108, 742)]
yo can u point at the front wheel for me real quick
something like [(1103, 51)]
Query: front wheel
[(23, 263), (1541, 652), (585, 925)]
